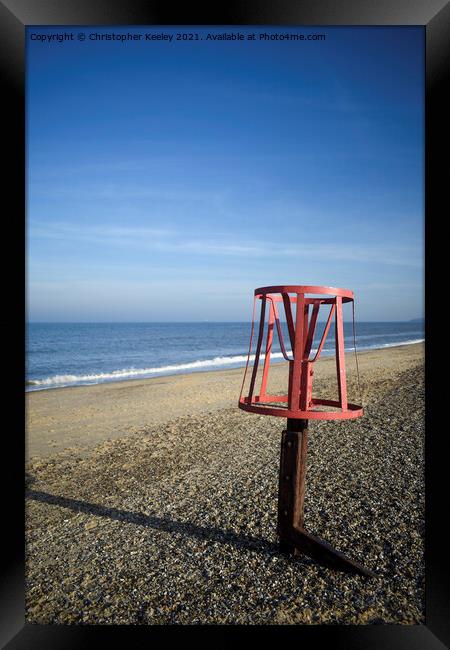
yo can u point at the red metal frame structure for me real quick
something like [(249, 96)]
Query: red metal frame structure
[(299, 405)]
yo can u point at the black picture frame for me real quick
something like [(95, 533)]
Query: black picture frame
[(15, 16)]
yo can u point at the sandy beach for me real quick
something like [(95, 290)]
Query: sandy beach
[(154, 502)]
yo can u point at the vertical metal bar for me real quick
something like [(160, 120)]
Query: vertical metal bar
[(340, 358), (305, 327), (268, 350), (289, 319), (356, 353), (286, 494), (311, 329), (300, 470), (294, 388), (249, 347), (306, 383), (291, 492), (258, 347)]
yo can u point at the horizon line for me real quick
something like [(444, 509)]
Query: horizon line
[(199, 322)]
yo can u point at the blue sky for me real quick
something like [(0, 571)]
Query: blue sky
[(165, 181)]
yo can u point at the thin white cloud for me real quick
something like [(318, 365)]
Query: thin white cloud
[(65, 231), (117, 192), (172, 241)]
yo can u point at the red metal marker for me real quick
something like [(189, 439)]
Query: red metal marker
[(299, 405)]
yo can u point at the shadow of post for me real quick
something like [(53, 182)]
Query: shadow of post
[(158, 523)]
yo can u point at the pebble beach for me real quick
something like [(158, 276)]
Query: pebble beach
[(154, 502)]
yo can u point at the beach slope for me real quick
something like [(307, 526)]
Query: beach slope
[(155, 502)]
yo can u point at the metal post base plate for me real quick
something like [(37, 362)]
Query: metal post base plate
[(299, 541)]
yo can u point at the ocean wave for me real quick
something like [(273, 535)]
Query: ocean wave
[(391, 345), (128, 373), (133, 373), (382, 335)]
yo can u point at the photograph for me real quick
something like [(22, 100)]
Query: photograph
[(225, 325)]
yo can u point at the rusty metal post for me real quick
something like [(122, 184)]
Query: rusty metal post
[(293, 537), (291, 492), (298, 405)]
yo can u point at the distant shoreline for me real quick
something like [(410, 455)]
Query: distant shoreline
[(190, 322), (85, 415), (201, 366)]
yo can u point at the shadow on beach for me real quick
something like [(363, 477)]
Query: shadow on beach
[(158, 523)]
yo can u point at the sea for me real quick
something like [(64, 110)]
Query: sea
[(75, 354)]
